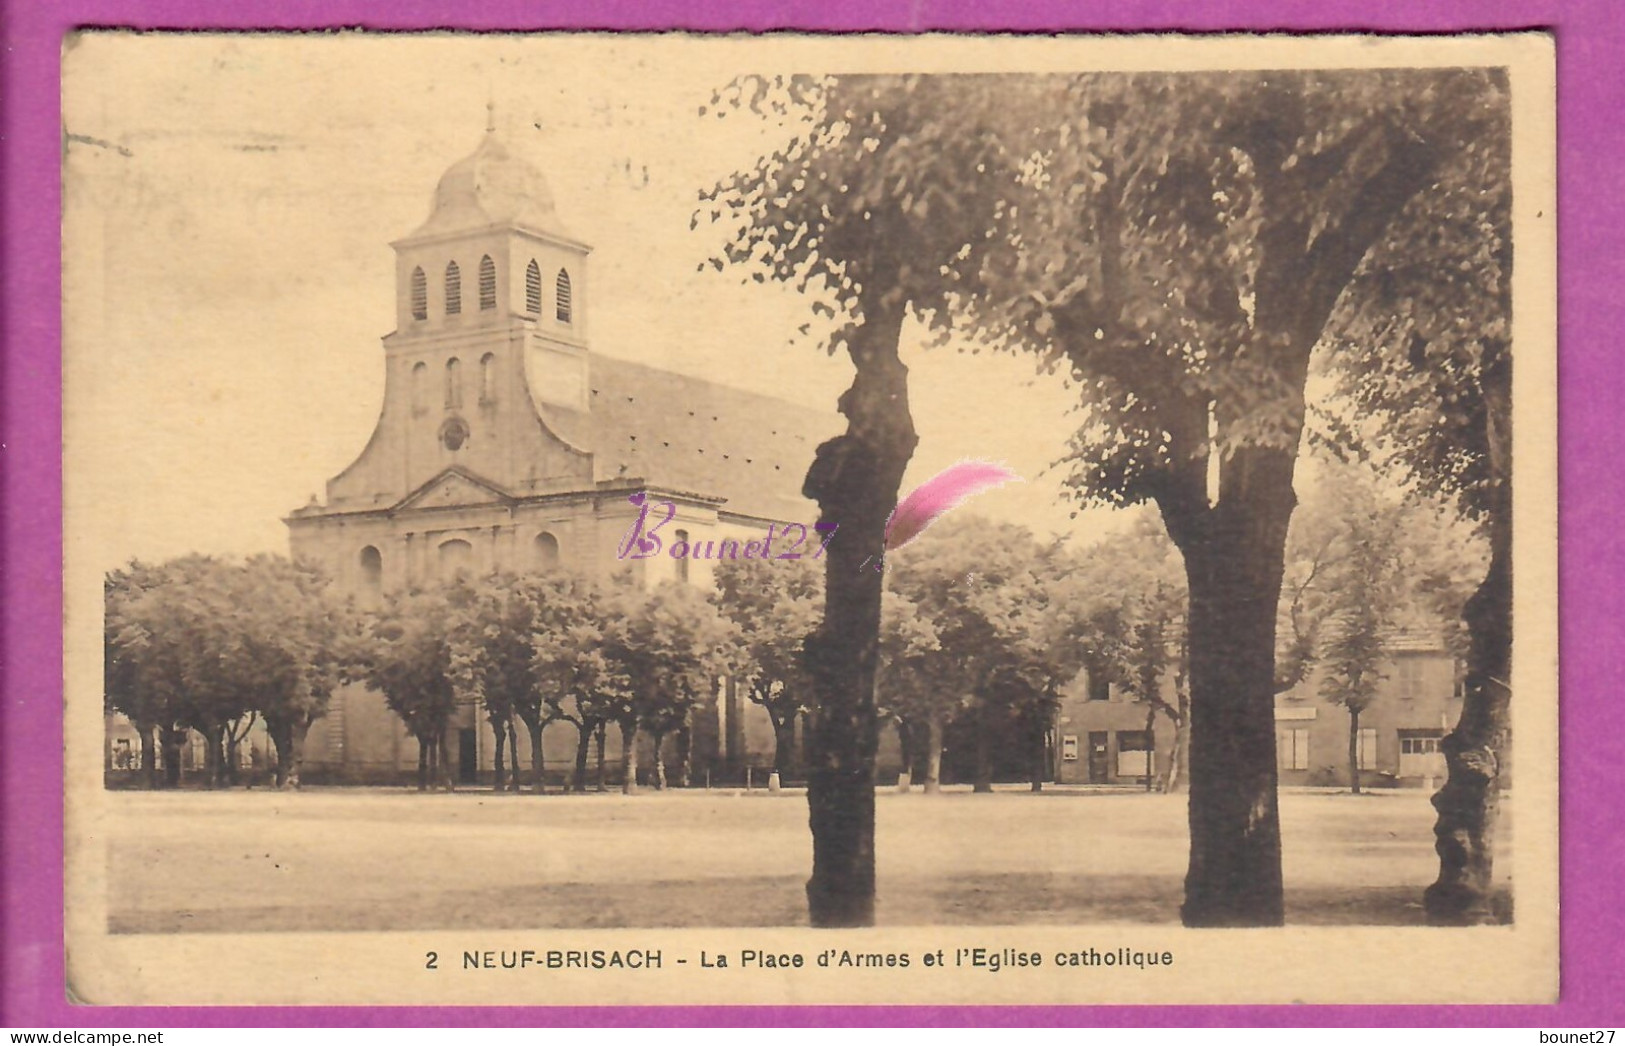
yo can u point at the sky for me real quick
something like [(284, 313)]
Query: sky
[(229, 206)]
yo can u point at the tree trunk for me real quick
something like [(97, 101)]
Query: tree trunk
[(234, 775), (149, 756), (603, 728), (1234, 560), (214, 763), (933, 754), (442, 760), (498, 771), (906, 747), (659, 759), (1150, 748), (173, 738), (854, 478), (1179, 754), (984, 751), (1354, 750), (1040, 752), (1475, 752), (538, 759), (784, 744), (685, 754), (423, 763), (629, 757), (584, 732), (514, 784), (289, 738)]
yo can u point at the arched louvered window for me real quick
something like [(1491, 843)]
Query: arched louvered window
[(547, 551), (533, 288), (454, 289), (454, 384), (420, 294), (681, 537), (488, 284), (372, 570), (561, 287), (420, 381), (488, 378)]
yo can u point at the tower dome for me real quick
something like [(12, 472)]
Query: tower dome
[(491, 186)]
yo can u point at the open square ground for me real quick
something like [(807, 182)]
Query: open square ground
[(350, 859)]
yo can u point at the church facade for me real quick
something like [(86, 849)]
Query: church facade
[(508, 441)]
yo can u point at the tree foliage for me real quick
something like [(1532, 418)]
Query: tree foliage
[(673, 644), (203, 644), (1007, 641), (773, 607), (410, 660)]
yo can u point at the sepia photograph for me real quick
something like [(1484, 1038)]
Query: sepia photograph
[(578, 518)]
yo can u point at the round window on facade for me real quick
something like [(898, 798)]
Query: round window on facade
[(454, 433)]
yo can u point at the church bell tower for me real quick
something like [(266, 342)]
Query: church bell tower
[(492, 320)]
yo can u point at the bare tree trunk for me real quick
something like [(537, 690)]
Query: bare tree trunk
[(538, 766), (584, 732), (1354, 750), (1234, 561), (1040, 753), (500, 741), (423, 763), (784, 742), (443, 762), (514, 785), (629, 756), (1150, 748), (603, 728), (906, 747), (149, 756), (214, 770), (685, 753), (288, 735), (854, 478), (933, 754), (172, 739), (659, 758), (984, 754), (1475, 752)]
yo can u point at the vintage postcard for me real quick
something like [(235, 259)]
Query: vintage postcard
[(576, 519)]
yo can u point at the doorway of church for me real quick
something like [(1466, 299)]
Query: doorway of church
[(468, 766)]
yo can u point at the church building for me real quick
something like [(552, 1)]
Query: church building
[(509, 441)]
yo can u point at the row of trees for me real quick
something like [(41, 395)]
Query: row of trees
[(982, 623), (1182, 247), (200, 644)]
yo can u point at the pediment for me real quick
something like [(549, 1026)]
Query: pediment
[(455, 488)]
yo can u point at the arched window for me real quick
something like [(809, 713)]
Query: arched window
[(488, 283), (420, 380), (420, 294), (372, 570), (682, 564), (488, 378), (547, 551), (562, 296), (456, 557), (533, 288), (454, 384), (454, 289)]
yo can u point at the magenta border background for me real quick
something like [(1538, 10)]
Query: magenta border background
[(1591, 91)]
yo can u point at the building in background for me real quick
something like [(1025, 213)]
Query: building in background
[(1102, 735)]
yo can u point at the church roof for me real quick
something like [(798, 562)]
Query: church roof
[(492, 186), (689, 434)]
